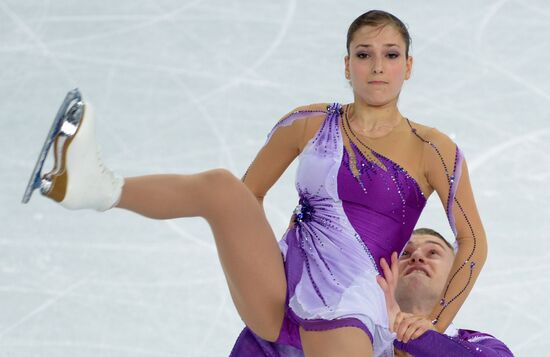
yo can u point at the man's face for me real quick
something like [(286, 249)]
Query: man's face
[(425, 264)]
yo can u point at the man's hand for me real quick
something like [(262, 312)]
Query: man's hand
[(388, 283), (406, 326), (409, 327)]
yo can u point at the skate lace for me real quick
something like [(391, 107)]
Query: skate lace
[(104, 170), (112, 192)]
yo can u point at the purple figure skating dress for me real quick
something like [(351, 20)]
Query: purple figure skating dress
[(355, 207)]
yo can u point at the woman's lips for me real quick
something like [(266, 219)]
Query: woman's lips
[(378, 82)]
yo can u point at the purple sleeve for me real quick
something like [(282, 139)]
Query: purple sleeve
[(432, 343)]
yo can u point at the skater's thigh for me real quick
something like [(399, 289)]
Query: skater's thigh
[(251, 259), (339, 342)]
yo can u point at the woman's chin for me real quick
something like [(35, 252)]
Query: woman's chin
[(379, 101)]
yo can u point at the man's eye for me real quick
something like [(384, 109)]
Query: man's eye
[(404, 254), (432, 252)]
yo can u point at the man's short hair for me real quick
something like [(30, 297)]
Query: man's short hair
[(431, 232)]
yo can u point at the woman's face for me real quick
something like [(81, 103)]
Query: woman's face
[(377, 65)]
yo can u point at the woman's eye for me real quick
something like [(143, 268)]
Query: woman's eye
[(404, 254), (362, 55), (393, 55), (432, 252)]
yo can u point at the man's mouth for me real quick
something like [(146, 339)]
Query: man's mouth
[(418, 270)]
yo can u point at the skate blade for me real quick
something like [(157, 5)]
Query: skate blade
[(54, 183), (64, 126)]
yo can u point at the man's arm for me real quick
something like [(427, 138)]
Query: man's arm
[(426, 341), (467, 343)]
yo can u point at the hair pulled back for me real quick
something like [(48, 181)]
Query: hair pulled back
[(378, 18)]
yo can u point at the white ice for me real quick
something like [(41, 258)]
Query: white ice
[(182, 86)]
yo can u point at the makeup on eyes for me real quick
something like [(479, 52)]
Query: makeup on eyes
[(391, 54)]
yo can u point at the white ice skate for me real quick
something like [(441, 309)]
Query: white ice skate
[(78, 179)]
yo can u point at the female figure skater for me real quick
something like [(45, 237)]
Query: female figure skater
[(364, 176)]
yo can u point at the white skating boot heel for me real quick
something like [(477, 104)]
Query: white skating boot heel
[(82, 180), (79, 179)]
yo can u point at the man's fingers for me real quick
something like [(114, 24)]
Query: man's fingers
[(398, 320), (388, 273), (394, 258), (394, 264), (411, 327), (383, 284), (420, 331), (409, 332), (407, 327), (385, 266), (400, 330)]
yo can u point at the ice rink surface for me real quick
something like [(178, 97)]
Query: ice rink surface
[(183, 86)]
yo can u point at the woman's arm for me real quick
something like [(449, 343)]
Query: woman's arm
[(283, 145), (447, 172)]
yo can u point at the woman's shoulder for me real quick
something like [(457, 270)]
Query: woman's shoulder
[(430, 135), (319, 108), (308, 111), (298, 118)]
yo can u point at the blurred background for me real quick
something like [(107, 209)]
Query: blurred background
[(183, 86)]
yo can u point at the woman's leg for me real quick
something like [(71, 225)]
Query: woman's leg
[(340, 342), (247, 247)]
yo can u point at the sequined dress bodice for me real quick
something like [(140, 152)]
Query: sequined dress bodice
[(382, 204), (355, 207)]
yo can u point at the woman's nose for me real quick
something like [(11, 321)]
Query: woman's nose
[(377, 66)]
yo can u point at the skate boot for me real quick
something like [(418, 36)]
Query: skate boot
[(78, 179)]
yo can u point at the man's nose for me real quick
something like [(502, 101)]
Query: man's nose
[(416, 256)]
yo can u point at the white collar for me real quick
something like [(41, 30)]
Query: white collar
[(451, 331)]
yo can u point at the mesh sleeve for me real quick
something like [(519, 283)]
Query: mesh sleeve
[(281, 148), (447, 173)]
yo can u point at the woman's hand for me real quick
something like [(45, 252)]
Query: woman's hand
[(388, 283)]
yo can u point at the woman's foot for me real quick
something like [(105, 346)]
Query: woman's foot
[(78, 179)]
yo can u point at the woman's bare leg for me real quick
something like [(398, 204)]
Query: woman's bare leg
[(340, 342), (247, 247)]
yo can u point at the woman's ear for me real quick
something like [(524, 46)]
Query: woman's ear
[(409, 67), (346, 68)]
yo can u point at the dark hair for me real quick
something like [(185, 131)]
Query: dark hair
[(378, 18), (431, 232)]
